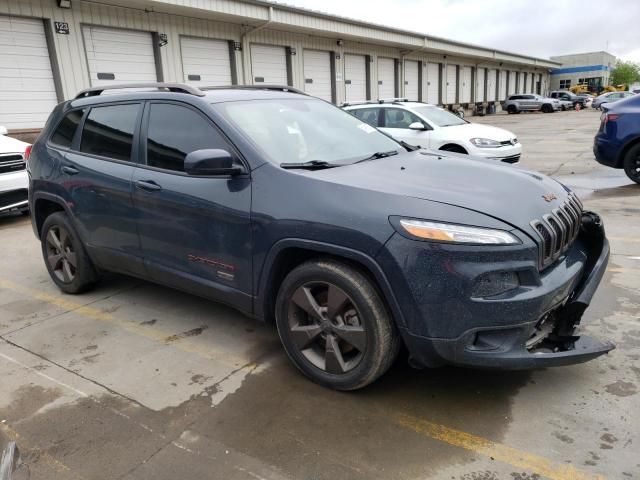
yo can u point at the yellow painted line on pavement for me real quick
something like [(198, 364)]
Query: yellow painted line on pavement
[(497, 451), (154, 333)]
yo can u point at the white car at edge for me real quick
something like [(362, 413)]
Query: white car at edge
[(428, 126), (14, 181)]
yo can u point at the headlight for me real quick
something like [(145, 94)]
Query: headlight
[(485, 142), (446, 232)]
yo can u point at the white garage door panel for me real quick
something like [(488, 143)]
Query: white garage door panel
[(491, 85), (512, 83), (127, 55), (317, 74), (433, 83), (355, 77), (480, 74), (386, 78), (27, 89), (452, 85), (466, 85), (523, 85), (411, 79), (209, 59), (268, 65), (503, 85)]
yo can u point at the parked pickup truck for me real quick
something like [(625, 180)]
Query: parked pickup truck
[(568, 99)]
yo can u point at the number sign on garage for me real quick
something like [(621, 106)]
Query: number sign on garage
[(269, 65), (27, 88), (206, 61), (355, 77), (318, 80), (119, 56), (386, 78)]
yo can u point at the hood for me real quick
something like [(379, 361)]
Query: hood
[(11, 145), (507, 193), (477, 130)]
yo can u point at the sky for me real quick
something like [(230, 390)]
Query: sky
[(540, 28)]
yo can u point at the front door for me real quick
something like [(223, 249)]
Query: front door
[(194, 230), (396, 121)]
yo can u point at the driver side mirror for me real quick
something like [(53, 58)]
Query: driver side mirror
[(417, 126), (211, 162)]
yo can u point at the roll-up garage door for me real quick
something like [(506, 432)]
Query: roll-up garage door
[(465, 96), (480, 74), (268, 65), (512, 84), (533, 83), (411, 80), (502, 85), (433, 83), (317, 74), (355, 77), (119, 56), (491, 85), (206, 61), (27, 90), (523, 83), (386, 78), (452, 83)]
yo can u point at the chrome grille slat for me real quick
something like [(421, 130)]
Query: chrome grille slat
[(12, 162), (558, 229)]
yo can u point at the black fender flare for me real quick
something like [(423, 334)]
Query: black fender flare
[(369, 263), (52, 197)]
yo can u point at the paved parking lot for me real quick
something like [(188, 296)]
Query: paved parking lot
[(137, 381)]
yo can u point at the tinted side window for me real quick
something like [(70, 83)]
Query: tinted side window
[(108, 131), (368, 115), (175, 131), (397, 118), (63, 135)]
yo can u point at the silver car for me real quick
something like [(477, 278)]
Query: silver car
[(610, 97), (530, 102)]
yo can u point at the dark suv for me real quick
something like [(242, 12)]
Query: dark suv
[(290, 209)]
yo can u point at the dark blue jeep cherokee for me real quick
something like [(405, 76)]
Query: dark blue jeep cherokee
[(290, 209)]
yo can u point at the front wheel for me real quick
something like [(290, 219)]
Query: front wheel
[(546, 108), (632, 163), (334, 326)]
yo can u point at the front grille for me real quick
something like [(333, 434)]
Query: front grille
[(511, 159), (13, 197), (12, 162), (558, 229)]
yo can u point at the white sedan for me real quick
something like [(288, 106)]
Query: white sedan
[(14, 182), (432, 127)]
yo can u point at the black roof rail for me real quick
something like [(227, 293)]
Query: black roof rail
[(172, 87), (283, 88)]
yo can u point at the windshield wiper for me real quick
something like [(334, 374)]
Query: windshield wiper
[(310, 165), (407, 147), (377, 155)]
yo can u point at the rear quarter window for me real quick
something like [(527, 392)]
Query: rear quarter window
[(66, 129)]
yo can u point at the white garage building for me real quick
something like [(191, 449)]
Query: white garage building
[(51, 49)]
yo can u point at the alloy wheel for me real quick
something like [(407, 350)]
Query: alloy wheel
[(326, 327), (633, 170), (61, 256)]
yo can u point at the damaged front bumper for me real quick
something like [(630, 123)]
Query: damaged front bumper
[(550, 340)]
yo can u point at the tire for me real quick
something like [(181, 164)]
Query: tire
[(454, 148), (546, 108), (314, 337), (61, 247), (512, 109), (632, 163)]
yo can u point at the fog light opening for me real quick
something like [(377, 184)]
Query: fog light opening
[(495, 283)]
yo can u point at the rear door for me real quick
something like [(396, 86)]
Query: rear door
[(96, 170), (194, 230), (396, 121)]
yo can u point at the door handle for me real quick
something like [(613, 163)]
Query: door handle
[(70, 170), (148, 185)]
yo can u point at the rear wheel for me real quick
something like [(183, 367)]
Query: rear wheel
[(334, 326), (546, 108), (512, 109), (632, 163), (64, 255)]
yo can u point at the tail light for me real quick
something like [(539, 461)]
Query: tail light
[(609, 117), (27, 153)]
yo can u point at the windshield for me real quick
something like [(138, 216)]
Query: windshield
[(297, 130), (439, 117)]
